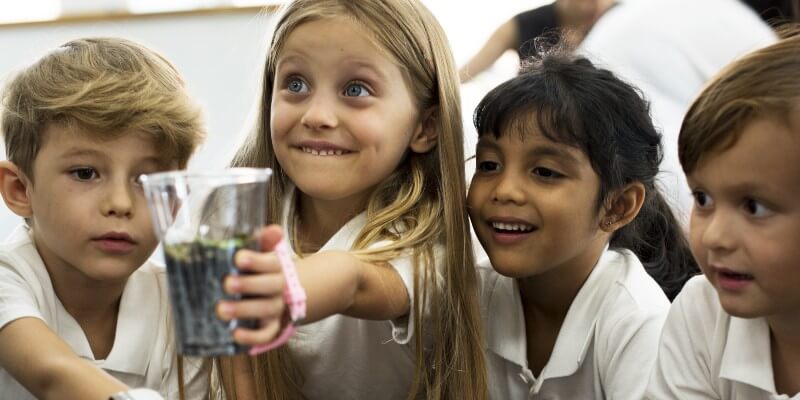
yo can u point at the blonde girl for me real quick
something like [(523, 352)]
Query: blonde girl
[(361, 123)]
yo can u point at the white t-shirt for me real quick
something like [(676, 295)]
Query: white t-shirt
[(143, 354), (344, 358), (670, 49), (707, 354), (605, 348)]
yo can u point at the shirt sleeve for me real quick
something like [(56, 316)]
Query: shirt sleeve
[(682, 369), (17, 299), (403, 327)]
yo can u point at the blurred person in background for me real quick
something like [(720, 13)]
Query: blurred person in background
[(669, 49), (574, 17)]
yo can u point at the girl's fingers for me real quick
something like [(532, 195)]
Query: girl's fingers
[(252, 261), (256, 285), (269, 237), (263, 309), (254, 337)]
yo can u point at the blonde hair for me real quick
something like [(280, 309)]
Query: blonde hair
[(425, 197), (108, 87)]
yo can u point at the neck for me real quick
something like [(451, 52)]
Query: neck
[(550, 294), (86, 299), (93, 304), (321, 219), (785, 349), (546, 300)]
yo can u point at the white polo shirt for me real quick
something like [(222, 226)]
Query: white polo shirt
[(341, 357), (605, 348), (143, 354), (707, 354)]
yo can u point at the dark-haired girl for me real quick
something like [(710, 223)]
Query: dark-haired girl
[(579, 238)]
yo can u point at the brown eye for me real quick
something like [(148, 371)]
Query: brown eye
[(84, 174), (488, 166), (702, 199), (546, 173)]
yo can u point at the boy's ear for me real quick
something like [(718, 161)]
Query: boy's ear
[(14, 188), (426, 135), (623, 206)]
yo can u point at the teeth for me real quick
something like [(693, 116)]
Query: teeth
[(316, 152), (512, 227)]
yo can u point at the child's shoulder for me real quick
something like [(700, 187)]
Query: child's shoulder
[(698, 301), (635, 289), (150, 274), (629, 298), (18, 243), (19, 256)]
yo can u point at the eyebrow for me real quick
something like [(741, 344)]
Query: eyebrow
[(551, 151), (540, 151), (79, 152), (359, 64)]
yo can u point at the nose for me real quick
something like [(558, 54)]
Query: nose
[(718, 232), (320, 113), (508, 189), (119, 199)]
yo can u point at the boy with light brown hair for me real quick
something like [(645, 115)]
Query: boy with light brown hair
[(735, 332), (83, 314)]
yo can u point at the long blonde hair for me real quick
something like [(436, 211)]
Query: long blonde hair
[(425, 196)]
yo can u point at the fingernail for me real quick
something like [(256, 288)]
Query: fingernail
[(226, 309), (243, 260), (233, 284)]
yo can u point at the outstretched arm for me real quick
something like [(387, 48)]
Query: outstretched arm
[(504, 38), (336, 282), (45, 365)]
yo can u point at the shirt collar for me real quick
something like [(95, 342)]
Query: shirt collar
[(506, 321), (344, 238), (138, 320), (747, 357)]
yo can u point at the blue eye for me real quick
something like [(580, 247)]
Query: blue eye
[(83, 174), (487, 166), (702, 199), (756, 209), (356, 90), (546, 173), (296, 85)]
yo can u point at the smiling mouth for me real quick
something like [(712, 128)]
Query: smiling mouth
[(324, 152), (512, 228)]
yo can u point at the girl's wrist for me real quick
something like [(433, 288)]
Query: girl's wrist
[(294, 295)]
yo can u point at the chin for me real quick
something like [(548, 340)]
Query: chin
[(739, 310), (511, 270)]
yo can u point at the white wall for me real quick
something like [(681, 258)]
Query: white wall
[(218, 55), (221, 55)]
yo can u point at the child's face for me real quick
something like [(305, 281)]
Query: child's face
[(745, 225), (90, 219), (533, 205), (342, 116)]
